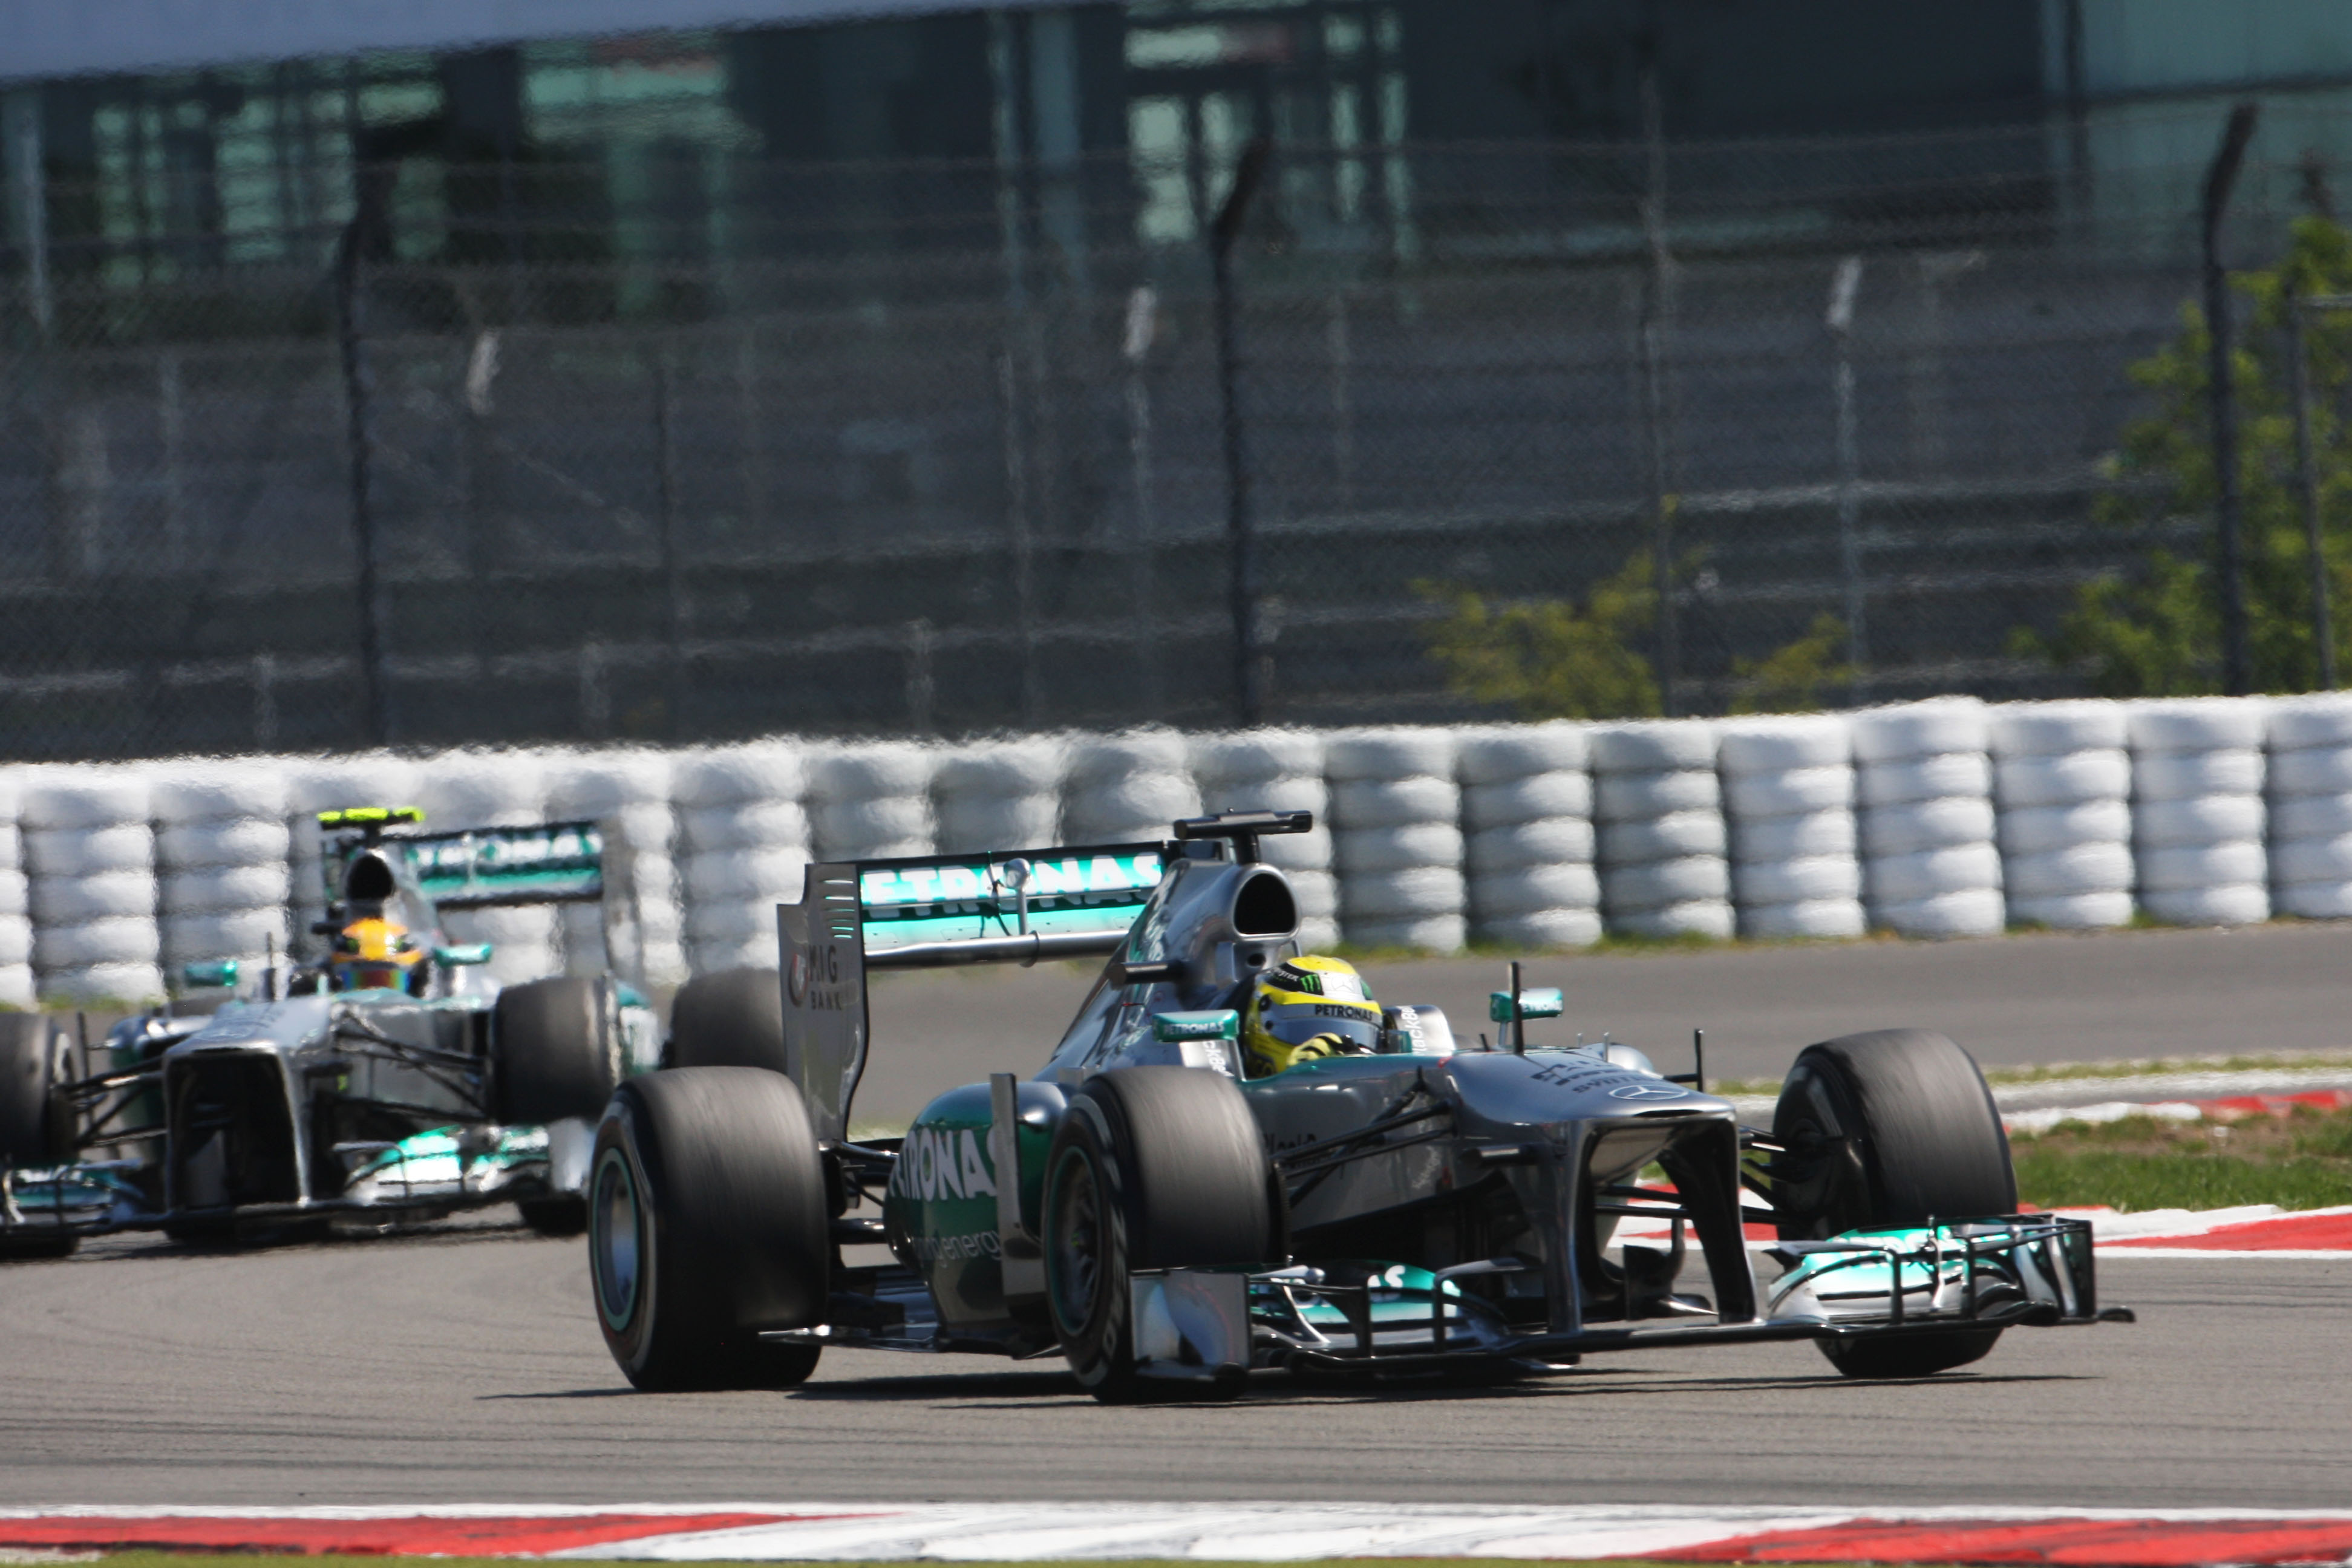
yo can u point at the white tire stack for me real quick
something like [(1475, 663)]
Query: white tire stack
[(2061, 782), (1527, 806), (89, 852), (1658, 807), (2197, 821), (743, 848), (997, 797), (2310, 788), (1279, 770), (226, 859), (1396, 838), (502, 789), (868, 803), (15, 912), (1788, 792), (1923, 778), (1127, 790), (314, 785), (637, 930)]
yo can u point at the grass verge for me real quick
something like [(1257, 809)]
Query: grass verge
[(2299, 1161)]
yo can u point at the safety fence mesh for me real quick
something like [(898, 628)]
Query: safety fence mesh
[(909, 463)]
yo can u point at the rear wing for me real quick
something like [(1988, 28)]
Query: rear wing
[(1074, 901), (481, 868)]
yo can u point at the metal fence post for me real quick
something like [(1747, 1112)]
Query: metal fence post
[(1241, 529), (1657, 326), (1143, 319), (672, 569), (2237, 676), (1842, 289), (358, 384)]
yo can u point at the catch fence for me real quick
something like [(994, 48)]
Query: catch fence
[(910, 464)]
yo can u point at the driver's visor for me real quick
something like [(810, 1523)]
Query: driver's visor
[(1299, 1022)]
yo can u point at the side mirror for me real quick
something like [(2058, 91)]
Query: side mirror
[(1547, 1003), (457, 957), (219, 975)]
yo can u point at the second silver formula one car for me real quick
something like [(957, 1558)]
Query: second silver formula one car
[(378, 1082), (1166, 1224)]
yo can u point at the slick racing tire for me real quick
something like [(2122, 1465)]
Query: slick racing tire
[(707, 1225), (1152, 1167), (558, 1049), (1891, 1127), (732, 1019), (35, 1126)]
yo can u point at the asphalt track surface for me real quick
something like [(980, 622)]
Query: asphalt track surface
[(461, 1365), (464, 1367), (2010, 1000)]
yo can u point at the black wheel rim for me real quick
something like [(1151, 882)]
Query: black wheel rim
[(1074, 1260), (616, 1238)]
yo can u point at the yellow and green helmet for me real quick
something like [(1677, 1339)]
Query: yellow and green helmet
[(1306, 1007)]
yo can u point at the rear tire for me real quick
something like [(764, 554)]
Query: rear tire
[(558, 1044), (1899, 1130), (1152, 1167), (707, 1225), (730, 1019)]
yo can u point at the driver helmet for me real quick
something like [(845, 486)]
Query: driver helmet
[(372, 954), (1305, 1008)]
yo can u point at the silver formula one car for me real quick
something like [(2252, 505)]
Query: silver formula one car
[(377, 1082), (1432, 1205)]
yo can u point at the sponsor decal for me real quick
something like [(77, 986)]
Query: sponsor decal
[(1647, 1092), (812, 979), (986, 888), (941, 1162), (933, 1250), (560, 861)]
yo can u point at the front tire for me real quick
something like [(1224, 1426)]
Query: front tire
[(731, 1018), (34, 1127), (1152, 1167), (707, 1225), (1891, 1127)]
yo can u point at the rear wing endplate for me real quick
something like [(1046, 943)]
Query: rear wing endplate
[(1018, 907)]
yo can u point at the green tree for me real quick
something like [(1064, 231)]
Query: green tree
[(2156, 630), (1552, 659), (1794, 678)]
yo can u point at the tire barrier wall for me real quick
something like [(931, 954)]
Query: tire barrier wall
[(1658, 804), (1396, 838), (1526, 807), (1924, 783), (1788, 792), (744, 844), (2061, 794), (89, 859), (1939, 818), (2309, 781), (2198, 818), (16, 988), (225, 859)]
